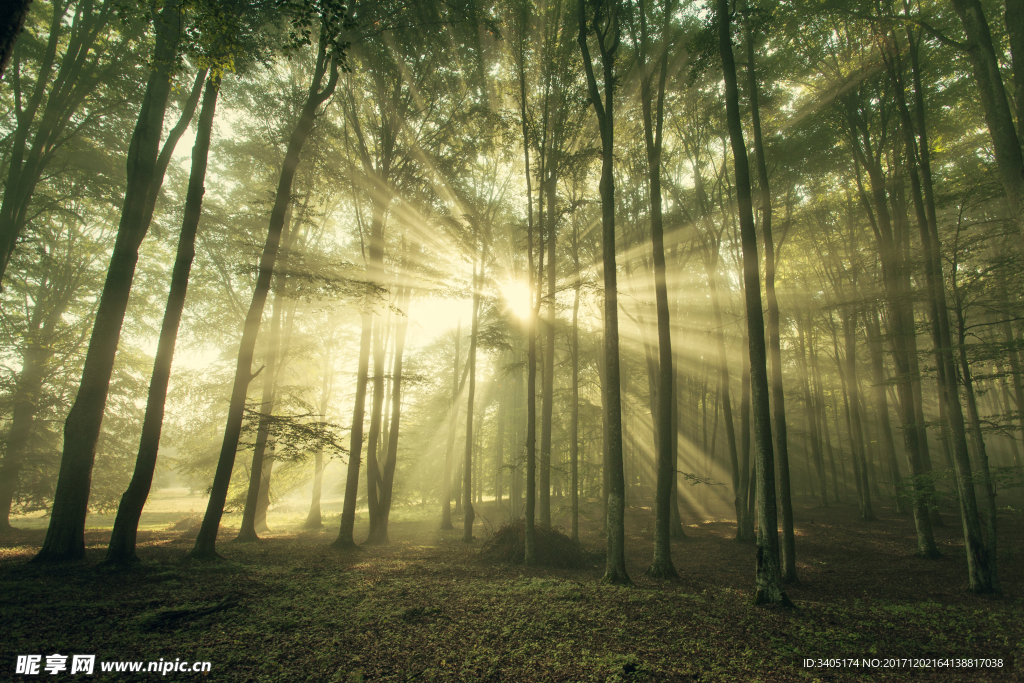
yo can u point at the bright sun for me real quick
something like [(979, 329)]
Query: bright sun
[(517, 298)]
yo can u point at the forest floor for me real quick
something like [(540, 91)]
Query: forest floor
[(428, 608)]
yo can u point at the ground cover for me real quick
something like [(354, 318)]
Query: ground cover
[(429, 608)]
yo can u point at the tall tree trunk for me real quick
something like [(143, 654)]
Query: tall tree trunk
[(122, 539), (470, 515), (774, 344), (987, 486), (346, 540), (313, 518), (259, 472), (605, 24), (446, 493), (874, 329), (547, 399), (206, 540), (574, 418), (37, 352), (391, 457), (768, 566), (499, 444), (856, 418), (981, 566), (65, 537), (812, 421), (661, 565)]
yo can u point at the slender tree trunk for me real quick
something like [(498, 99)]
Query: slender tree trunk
[(313, 518), (768, 566), (346, 540), (122, 539), (981, 565), (65, 537), (547, 400), (605, 24), (499, 443), (574, 418), (28, 394), (987, 487), (874, 329), (812, 421), (257, 497), (661, 565), (205, 542), (470, 515), (446, 494), (856, 418), (391, 458), (774, 344)]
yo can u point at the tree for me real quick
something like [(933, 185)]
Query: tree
[(602, 18), (768, 569), (122, 539), (65, 536), (329, 60)]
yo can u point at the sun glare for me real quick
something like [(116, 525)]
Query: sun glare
[(517, 298)]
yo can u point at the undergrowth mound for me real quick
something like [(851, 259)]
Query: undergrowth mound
[(554, 549)]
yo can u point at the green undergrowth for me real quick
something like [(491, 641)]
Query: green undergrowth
[(288, 609)]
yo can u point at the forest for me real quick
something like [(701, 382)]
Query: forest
[(500, 340)]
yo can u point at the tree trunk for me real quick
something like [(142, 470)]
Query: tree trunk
[(391, 457), (574, 418), (313, 519), (206, 540), (661, 565), (768, 567), (812, 421), (65, 537), (258, 494), (874, 329), (547, 400), (470, 514), (121, 549), (606, 27), (346, 540), (446, 486), (37, 352)]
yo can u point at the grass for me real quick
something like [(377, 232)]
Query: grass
[(427, 608)]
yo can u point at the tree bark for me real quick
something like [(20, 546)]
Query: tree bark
[(313, 518), (345, 540), (768, 567), (65, 537), (205, 546), (470, 513), (605, 24), (391, 457), (812, 421), (121, 549)]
